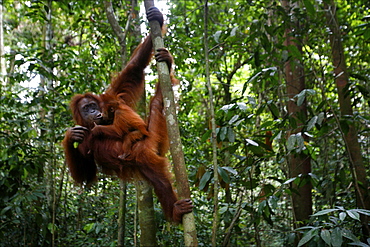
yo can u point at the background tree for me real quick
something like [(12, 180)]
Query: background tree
[(349, 130), (299, 160)]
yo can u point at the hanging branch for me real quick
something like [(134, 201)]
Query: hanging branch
[(237, 214), (117, 29), (173, 131)]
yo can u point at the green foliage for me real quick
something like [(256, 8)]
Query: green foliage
[(333, 230), (257, 106), (37, 198)]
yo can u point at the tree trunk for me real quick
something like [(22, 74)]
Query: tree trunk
[(299, 163), (144, 194), (177, 154), (351, 136), (122, 214)]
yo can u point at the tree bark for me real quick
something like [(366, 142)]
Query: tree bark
[(299, 163), (144, 194), (118, 31), (173, 132), (122, 214), (351, 136)]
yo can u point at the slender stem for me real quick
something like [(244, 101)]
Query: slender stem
[(213, 124)]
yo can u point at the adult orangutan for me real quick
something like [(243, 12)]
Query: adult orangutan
[(119, 141)]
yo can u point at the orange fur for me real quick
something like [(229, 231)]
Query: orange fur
[(127, 146)]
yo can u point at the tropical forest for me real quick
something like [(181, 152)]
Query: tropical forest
[(185, 123)]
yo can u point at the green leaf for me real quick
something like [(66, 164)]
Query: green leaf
[(269, 189), (217, 35), (291, 143), (307, 237), (233, 31), (320, 118), (25, 173), (301, 98), (223, 209), (336, 237), (223, 132), (204, 180), (257, 150), (257, 61), (367, 34), (312, 123), (242, 106), (230, 169), (274, 110), (303, 94), (251, 142), (267, 125), (89, 227), (51, 227), (252, 78), (293, 50), (359, 244), (290, 180), (349, 235), (239, 122), (225, 177), (260, 109), (251, 184), (325, 235), (361, 211), (292, 122), (310, 8), (325, 211), (46, 8), (353, 214), (321, 105), (228, 107), (342, 216), (98, 228), (262, 206), (5, 210), (230, 135), (304, 228), (206, 135), (234, 119)]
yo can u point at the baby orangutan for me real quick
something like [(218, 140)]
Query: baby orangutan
[(127, 125)]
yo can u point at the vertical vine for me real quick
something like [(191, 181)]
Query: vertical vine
[(213, 125)]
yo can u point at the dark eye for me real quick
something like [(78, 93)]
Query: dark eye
[(93, 106), (111, 109)]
